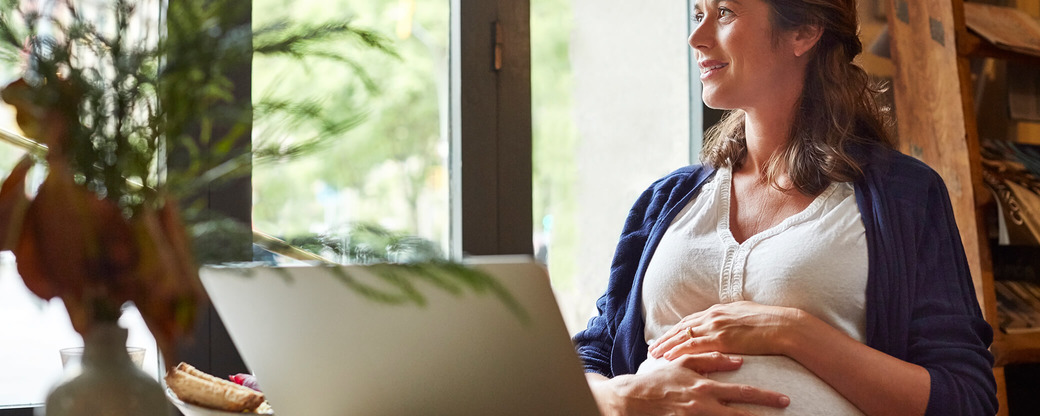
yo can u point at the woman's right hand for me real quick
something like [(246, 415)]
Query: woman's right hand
[(679, 388)]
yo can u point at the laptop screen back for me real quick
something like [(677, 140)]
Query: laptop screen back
[(318, 347)]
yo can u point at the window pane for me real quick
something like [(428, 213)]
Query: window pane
[(610, 110), (389, 170)]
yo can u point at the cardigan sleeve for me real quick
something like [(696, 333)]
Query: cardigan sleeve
[(947, 333), (612, 343), (595, 344)]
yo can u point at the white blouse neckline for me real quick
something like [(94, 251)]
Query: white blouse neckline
[(723, 196)]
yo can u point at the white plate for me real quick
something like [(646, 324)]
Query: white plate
[(193, 410)]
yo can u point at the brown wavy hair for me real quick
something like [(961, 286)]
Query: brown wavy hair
[(838, 106)]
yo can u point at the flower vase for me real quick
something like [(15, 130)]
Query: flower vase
[(109, 383)]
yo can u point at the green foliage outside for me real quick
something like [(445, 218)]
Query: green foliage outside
[(401, 123), (398, 150), (383, 168), (555, 137)]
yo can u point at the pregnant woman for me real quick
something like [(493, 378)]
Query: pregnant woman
[(805, 267)]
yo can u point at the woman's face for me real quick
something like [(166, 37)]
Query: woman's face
[(740, 66)]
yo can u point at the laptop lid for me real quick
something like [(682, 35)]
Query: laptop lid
[(319, 347)]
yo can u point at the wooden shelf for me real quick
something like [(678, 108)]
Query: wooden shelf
[(1016, 348), (973, 46)]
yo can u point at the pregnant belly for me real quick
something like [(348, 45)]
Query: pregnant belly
[(809, 395)]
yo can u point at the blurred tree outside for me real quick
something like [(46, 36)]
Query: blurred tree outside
[(391, 169), (555, 150)]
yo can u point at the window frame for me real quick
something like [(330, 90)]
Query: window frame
[(490, 129), (490, 168)]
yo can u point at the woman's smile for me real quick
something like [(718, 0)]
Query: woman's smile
[(711, 67)]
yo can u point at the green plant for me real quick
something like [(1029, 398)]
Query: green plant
[(105, 226)]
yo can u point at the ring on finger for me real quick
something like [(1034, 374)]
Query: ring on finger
[(689, 331)]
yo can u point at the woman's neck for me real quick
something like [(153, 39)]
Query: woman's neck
[(766, 132)]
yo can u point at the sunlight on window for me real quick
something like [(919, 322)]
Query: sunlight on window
[(390, 168)]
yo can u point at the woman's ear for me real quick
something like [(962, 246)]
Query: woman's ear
[(804, 38)]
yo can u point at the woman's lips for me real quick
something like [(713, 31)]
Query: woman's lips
[(709, 68)]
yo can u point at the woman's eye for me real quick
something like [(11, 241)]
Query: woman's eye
[(697, 17), (724, 12)]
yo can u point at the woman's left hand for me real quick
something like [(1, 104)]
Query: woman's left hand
[(734, 328)]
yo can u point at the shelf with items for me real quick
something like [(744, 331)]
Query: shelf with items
[(1014, 343), (1011, 172), (973, 46), (1010, 36), (998, 32), (933, 52)]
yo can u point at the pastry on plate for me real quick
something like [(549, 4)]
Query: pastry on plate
[(196, 387)]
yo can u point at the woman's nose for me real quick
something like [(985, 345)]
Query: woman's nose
[(702, 35)]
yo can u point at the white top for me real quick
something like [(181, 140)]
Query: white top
[(815, 261)]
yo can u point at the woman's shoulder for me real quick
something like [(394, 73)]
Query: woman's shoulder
[(685, 176), (690, 170), (879, 159), (891, 174), (672, 188)]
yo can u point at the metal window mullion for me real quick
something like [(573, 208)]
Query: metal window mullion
[(490, 128)]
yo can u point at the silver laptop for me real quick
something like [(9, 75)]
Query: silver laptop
[(319, 347)]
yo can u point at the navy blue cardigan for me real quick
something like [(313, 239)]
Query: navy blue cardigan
[(921, 305)]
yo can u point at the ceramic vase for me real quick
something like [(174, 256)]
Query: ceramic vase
[(108, 383)]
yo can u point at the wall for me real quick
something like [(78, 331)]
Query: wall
[(631, 99)]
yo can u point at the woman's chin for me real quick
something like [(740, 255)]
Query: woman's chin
[(714, 102)]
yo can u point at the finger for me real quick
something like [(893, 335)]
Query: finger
[(674, 337), (678, 328), (742, 393), (688, 346), (664, 337), (710, 362), (662, 345), (689, 341)]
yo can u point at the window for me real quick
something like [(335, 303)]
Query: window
[(610, 113), (391, 169), (482, 115)]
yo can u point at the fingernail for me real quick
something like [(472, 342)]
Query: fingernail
[(784, 401), (736, 359)]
